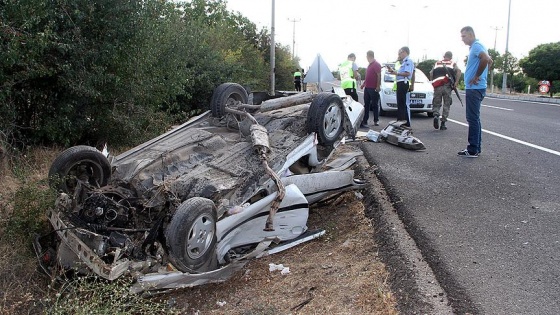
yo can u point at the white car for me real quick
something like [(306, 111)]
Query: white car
[(205, 197), (420, 99)]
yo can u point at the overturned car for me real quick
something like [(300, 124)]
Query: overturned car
[(194, 204)]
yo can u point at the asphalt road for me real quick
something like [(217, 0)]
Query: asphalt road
[(488, 227)]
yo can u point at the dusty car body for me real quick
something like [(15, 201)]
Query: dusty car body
[(194, 204)]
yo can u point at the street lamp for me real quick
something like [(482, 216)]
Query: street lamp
[(504, 81)]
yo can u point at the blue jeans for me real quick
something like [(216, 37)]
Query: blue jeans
[(474, 99)]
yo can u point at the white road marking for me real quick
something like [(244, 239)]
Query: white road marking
[(497, 107), (538, 147)]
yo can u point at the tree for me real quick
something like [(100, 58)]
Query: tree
[(81, 71), (426, 66), (543, 63), (510, 66), (495, 55)]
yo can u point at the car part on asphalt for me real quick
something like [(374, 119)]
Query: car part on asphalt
[(397, 134)]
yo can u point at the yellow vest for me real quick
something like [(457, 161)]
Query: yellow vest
[(346, 72)]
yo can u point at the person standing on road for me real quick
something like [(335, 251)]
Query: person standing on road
[(475, 88), (303, 80), (372, 85), (444, 76), (404, 84), (348, 72), (297, 80)]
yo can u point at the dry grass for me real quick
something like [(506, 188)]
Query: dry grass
[(21, 286), (339, 273)]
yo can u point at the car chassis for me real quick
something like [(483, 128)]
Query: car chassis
[(193, 205)]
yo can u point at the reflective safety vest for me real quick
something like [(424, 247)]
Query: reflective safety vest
[(440, 75), (346, 72)]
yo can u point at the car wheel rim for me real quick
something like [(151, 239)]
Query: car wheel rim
[(333, 120), (233, 100), (84, 171), (200, 236)]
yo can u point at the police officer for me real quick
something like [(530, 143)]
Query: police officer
[(404, 77), (297, 80)]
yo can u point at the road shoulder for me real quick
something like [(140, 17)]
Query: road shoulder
[(411, 278)]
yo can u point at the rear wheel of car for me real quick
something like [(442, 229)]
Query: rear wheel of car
[(191, 236), (226, 95), (326, 117), (79, 163)]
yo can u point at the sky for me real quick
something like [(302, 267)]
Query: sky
[(335, 28)]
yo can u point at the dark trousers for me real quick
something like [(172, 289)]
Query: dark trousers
[(297, 85), (402, 109), (352, 92), (371, 102)]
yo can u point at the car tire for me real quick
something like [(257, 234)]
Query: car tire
[(225, 95), (381, 111), (430, 114), (79, 163), (191, 236), (326, 118)]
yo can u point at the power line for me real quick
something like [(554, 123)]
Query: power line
[(294, 35), (495, 28)]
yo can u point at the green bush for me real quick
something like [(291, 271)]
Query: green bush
[(83, 72), (29, 204)]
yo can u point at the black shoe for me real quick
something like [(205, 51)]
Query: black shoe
[(442, 127), (466, 153), (364, 126), (376, 123), (436, 122)]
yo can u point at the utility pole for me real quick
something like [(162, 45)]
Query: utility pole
[(496, 28), (272, 54), (294, 36), (504, 82)]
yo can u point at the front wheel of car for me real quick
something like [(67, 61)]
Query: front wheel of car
[(326, 117), (191, 236), (79, 163), (381, 111), (226, 95), (430, 114)]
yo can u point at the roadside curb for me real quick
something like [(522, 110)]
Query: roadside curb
[(524, 97), (411, 278)]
